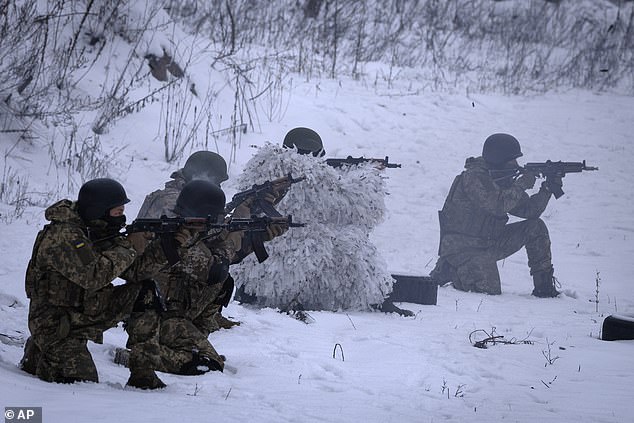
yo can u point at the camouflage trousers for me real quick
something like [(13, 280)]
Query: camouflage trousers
[(180, 342), (57, 349), (476, 269)]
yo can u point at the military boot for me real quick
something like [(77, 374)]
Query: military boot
[(31, 357), (122, 357), (389, 307), (295, 309), (223, 322), (443, 272), (144, 379), (545, 284)]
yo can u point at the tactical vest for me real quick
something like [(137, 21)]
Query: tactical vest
[(475, 222), (49, 287)]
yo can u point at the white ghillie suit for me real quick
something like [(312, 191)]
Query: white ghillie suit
[(330, 264)]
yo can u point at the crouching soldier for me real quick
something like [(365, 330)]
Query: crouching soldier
[(199, 283), (201, 165), (192, 287), (72, 299), (474, 228)]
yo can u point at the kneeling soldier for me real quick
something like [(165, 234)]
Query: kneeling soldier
[(72, 299)]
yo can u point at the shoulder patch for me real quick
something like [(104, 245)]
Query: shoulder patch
[(83, 250)]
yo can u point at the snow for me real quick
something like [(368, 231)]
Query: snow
[(374, 367)]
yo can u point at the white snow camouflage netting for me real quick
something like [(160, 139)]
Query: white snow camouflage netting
[(330, 264)]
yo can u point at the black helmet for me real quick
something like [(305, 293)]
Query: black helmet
[(306, 140), (98, 196), (206, 165), (200, 198), (501, 148)]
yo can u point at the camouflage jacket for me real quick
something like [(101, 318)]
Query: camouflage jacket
[(161, 202), (68, 268), (476, 209), (188, 288)]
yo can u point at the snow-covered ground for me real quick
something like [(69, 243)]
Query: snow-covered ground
[(375, 367), (348, 367)]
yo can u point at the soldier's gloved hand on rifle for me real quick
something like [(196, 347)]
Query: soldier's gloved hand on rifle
[(243, 210), (526, 180), (275, 230), (379, 165), (216, 235), (235, 239), (271, 197), (185, 237), (553, 183)]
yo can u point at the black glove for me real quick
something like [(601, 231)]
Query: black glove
[(526, 180), (184, 237), (553, 184)]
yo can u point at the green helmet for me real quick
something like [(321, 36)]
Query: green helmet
[(96, 198), (500, 148), (305, 140), (200, 198), (206, 165)]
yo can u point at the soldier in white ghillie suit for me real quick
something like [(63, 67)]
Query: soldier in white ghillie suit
[(330, 264)]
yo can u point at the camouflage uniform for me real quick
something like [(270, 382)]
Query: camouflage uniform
[(68, 281), (162, 201), (191, 290), (193, 304), (474, 233)]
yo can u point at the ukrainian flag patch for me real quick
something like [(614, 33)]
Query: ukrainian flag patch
[(83, 251)]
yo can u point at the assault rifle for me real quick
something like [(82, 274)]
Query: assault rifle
[(336, 163), (556, 169), (545, 170), (255, 225), (257, 193)]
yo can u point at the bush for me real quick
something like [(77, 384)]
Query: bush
[(510, 46)]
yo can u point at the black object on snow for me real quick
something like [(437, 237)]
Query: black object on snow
[(618, 327), (414, 289)]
